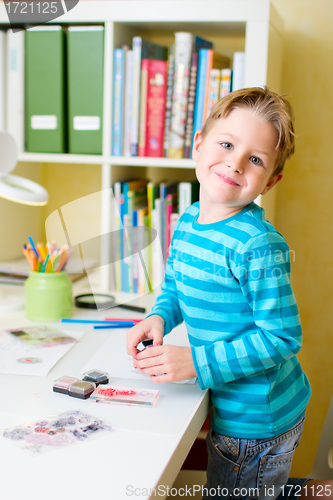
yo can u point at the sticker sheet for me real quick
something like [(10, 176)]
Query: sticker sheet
[(56, 431)]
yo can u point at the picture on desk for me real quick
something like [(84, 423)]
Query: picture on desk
[(56, 431), (41, 336), (22, 358)]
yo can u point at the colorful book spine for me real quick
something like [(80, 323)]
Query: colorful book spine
[(123, 247), (168, 105), (200, 91), (183, 51), (156, 102), (207, 80), (137, 42), (117, 229), (190, 105), (226, 82), (213, 89), (118, 100), (142, 49), (143, 248), (135, 249), (128, 103), (157, 262), (238, 71), (143, 107)]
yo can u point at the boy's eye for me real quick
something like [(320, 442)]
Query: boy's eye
[(226, 145), (256, 160)]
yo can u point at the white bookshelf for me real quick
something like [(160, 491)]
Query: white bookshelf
[(252, 26)]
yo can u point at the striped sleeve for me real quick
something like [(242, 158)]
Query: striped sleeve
[(262, 270)]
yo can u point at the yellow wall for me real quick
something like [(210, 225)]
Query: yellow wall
[(304, 199)]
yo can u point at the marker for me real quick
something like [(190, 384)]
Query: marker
[(91, 321), (33, 246), (119, 325), (45, 263), (124, 319)]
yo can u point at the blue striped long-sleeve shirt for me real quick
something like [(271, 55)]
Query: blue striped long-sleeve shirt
[(230, 282)]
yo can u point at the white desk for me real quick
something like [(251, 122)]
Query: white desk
[(128, 462)]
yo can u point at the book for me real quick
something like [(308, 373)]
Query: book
[(188, 193), (157, 250), (190, 105), (214, 61), (183, 51), (156, 102), (226, 82), (200, 91), (166, 188), (85, 47), (116, 242), (45, 90), (128, 103), (213, 89), (127, 243), (142, 49), (238, 71), (153, 191), (15, 87), (3, 72), (143, 252), (117, 101), (208, 60), (168, 103), (143, 107)]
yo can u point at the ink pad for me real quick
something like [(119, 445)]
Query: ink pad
[(81, 389), (62, 384), (96, 376)]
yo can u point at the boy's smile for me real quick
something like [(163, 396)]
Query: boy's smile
[(235, 162)]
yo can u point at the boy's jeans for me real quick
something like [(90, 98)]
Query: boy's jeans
[(241, 469)]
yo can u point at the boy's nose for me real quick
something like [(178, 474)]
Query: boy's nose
[(237, 165)]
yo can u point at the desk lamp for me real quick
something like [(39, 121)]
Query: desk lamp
[(20, 190)]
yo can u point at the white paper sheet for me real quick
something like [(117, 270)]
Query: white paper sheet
[(113, 358), (19, 359)]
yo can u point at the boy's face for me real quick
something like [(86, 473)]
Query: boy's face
[(235, 162)]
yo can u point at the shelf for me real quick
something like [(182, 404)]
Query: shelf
[(133, 161), (61, 158)]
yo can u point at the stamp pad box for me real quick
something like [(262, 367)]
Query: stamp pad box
[(74, 387), (62, 384), (96, 376)]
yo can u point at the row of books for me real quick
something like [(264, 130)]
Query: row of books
[(51, 88), (51, 91), (144, 217), (161, 95)]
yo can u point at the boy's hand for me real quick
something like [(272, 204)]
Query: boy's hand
[(149, 328), (166, 363)]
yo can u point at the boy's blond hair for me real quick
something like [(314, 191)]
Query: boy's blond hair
[(271, 107)]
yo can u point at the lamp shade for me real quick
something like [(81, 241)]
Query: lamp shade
[(12, 187)]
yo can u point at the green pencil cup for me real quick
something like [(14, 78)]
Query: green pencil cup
[(48, 296)]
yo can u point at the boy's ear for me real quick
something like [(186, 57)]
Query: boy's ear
[(271, 183), (196, 145)]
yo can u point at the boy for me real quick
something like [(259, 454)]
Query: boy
[(228, 278)]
